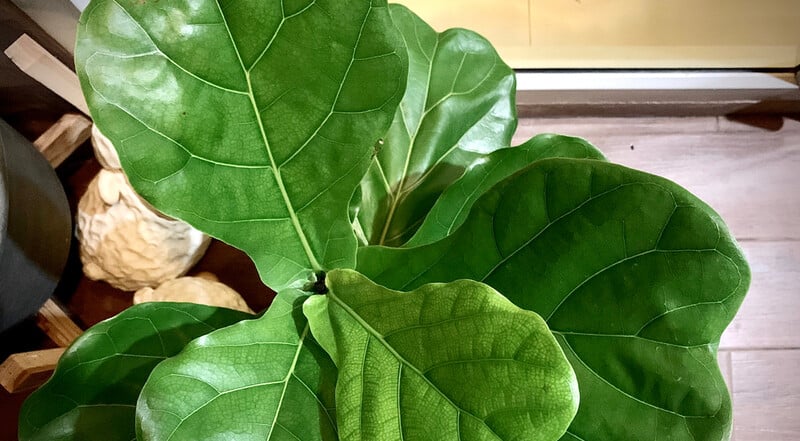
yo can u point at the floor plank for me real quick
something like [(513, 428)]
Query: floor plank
[(592, 127), (768, 315), (766, 395)]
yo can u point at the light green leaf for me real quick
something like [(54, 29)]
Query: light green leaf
[(636, 277), (444, 362), (252, 120), (263, 379), (452, 207), (458, 105), (92, 394)]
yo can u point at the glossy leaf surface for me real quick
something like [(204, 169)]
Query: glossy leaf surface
[(636, 277), (443, 362), (263, 379), (92, 394), (453, 206), (459, 104), (251, 120)]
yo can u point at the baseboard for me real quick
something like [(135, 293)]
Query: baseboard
[(657, 93)]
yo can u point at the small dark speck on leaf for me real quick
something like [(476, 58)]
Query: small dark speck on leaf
[(632, 148)]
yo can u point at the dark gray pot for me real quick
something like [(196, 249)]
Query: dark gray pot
[(35, 228)]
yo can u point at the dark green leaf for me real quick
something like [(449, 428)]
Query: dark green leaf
[(263, 379), (254, 121), (92, 394), (452, 207), (636, 277), (459, 104), (443, 362)]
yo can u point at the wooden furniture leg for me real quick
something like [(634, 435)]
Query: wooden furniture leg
[(28, 370)]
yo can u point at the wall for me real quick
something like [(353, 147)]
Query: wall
[(629, 33), (586, 33)]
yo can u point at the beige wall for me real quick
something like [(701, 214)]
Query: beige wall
[(588, 33), (628, 33)]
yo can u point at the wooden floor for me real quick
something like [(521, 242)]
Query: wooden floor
[(749, 172)]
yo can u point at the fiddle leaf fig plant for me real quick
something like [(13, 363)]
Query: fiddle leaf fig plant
[(635, 277), (433, 281), (458, 105), (271, 362), (272, 108), (403, 357), (92, 394)]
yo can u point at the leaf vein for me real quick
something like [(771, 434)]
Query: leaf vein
[(636, 399), (556, 220), (618, 262), (374, 334), (168, 58)]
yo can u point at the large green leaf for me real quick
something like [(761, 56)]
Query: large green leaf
[(458, 105), (263, 379), (252, 120), (444, 362), (452, 207), (636, 277), (92, 394)]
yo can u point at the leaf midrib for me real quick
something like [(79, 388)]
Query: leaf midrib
[(412, 142), (275, 169), (286, 380), (402, 190), (375, 334), (251, 96)]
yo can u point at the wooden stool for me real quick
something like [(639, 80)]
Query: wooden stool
[(28, 370)]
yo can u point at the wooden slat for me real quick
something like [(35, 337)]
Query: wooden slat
[(766, 395), (57, 324), (24, 103), (28, 370), (41, 65), (66, 135), (14, 21)]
